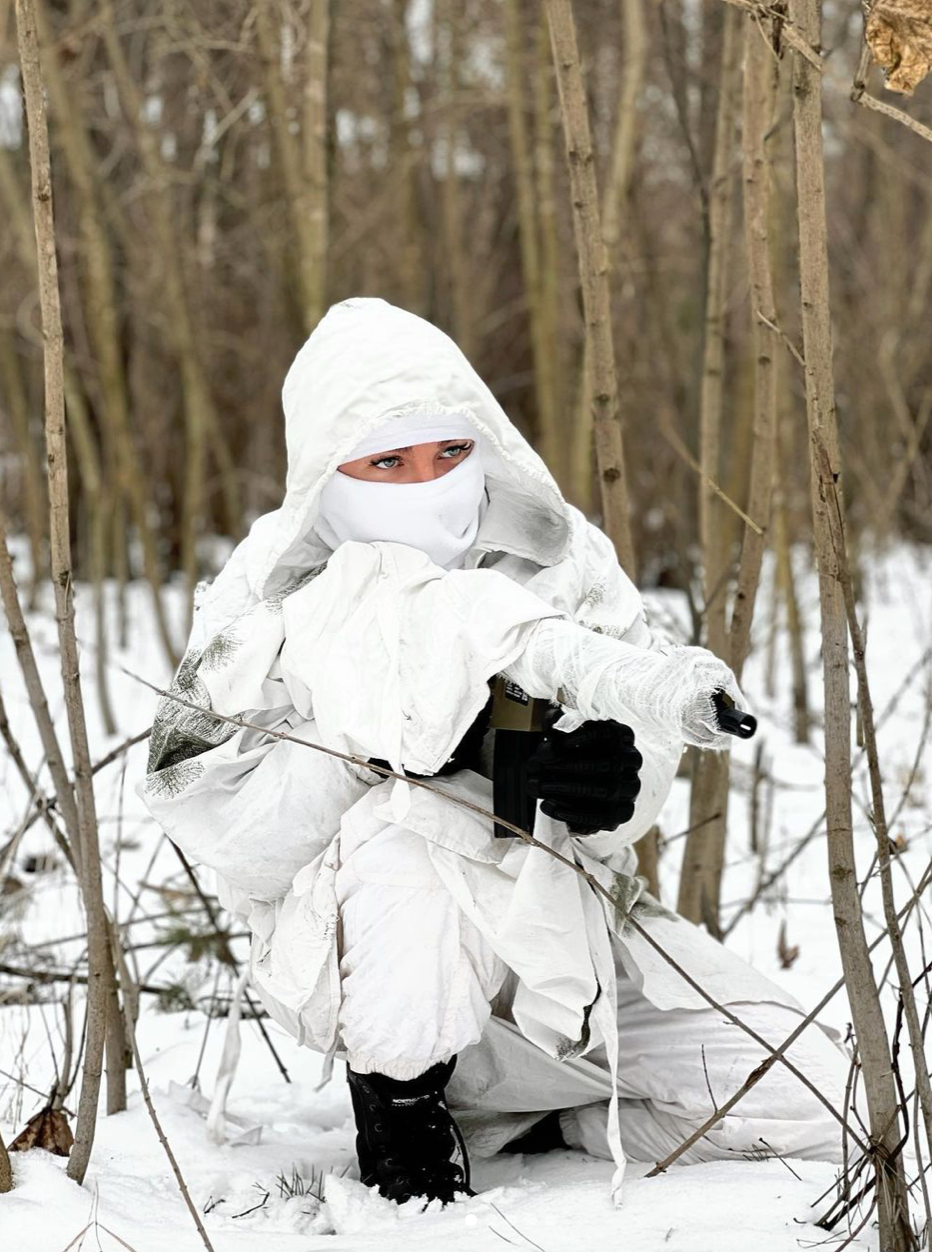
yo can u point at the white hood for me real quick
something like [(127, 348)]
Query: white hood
[(366, 360)]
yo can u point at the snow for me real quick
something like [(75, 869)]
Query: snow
[(558, 1202)]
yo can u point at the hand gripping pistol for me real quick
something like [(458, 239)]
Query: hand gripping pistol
[(518, 722)]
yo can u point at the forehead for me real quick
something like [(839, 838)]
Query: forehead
[(433, 446)]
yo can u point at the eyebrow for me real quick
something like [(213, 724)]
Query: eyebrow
[(390, 451)]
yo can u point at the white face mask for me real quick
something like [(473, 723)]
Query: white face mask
[(440, 517)]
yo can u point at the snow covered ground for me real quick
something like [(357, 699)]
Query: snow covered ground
[(250, 1193)]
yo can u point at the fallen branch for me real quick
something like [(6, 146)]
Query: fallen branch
[(56, 975)]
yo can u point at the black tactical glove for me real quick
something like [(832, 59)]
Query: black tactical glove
[(587, 778)]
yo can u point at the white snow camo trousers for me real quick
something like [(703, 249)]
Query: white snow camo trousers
[(421, 984)]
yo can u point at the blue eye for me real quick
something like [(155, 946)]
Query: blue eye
[(456, 449), (386, 462)]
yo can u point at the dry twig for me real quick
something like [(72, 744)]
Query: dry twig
[(754, 1078)]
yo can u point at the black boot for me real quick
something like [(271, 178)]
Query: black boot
[(544, 1136), (407, 1142)]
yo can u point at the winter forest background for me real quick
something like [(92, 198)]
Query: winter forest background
[(673, 278)]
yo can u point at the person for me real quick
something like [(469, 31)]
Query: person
[(483, 994)]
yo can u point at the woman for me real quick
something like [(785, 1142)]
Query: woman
[(422, 549)]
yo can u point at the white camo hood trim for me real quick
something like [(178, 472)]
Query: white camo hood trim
[(365, 360)]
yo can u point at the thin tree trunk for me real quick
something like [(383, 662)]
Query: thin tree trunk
[(305, 200), (528, 233), (103, 320), (15, 201), (32, 681), (316, 161), (31, 485), (703, 856), (760, 83), (101, 982), (6, 1169), (647, 849), (64, 1083), (403, 164), (614, 207), (593, 270), (712, 391), (455, 246), (203, 424), (120, 564), (758, 107), (626, 119), (97, 515), (548, 290), (873, 1044), (580, 473), (835, 519), (786, 586), (15, 204)]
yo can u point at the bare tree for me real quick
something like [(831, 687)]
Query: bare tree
[(531, 244), (316, 163), (785, 589), (204, 430), (703, 856), (101, 990), (183, 255), (29, 465), (759, 98), (410, 276), (450, 60), (593, 270), (103, 320), (873, 1045), (624, 141), (554, 427), (92, 480), (835, 521), (615, 225), (303, 166)]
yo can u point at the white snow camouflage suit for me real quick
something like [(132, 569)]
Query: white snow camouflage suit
[(388, 925)]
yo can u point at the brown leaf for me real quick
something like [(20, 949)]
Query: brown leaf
[(899, 34), (786, 953), (48, 1129)]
